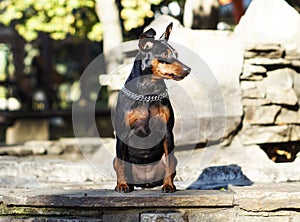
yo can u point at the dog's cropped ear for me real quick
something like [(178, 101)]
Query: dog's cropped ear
[(167, 33), (146, 40)]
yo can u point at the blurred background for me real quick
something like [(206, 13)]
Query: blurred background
[(46, 45)]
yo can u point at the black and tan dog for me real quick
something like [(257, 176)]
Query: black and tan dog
[(144, 117)]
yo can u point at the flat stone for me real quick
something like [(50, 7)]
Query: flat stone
[(296, 63), (292, 52), (279, 87), (22, 151), (253, 72), (268, 198), (248, 68), (282, 96), (249, 54), (296, 81), (288, 116), (111, 198), (166, 217), (255, 134), (282, 78), (261, 114), (255, 102), (253, 90), (43, 147), (271, 50), (264, 47), (268, 62), (251, 77)]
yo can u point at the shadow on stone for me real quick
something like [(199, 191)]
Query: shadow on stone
[(218, 177)]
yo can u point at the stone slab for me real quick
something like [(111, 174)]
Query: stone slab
[(253, 90), (270, 50), (282, 96), (261, 115), (268, 62), (110, 198), (271, 197), (280, 78), (270, 134), (288, 116)]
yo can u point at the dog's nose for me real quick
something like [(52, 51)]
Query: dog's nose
[(186, 70)]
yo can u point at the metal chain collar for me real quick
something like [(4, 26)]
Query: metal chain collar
[(144, 98)]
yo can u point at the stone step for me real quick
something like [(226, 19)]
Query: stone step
[(260, 202)]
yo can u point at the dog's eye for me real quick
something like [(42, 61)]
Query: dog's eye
[(164, 55)]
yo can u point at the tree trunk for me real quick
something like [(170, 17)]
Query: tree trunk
[(108, 14)]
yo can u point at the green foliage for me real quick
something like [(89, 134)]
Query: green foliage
[(59, 18), (135, 11), (78, 18)]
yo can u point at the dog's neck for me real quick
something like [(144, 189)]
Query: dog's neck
[(141, 81)]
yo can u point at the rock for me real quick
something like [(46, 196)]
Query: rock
[(261, 115), (38, 147), (251, 77), (248, 68), (279, 87), (167, 217), (269, 62), (279, 78), (269, 21), (255, 134), (87, 145), (292, 55), (296, 64), (21, 151), (296, 81), (268, 198), (252, 90), (253, 72), (220, 177), (271, 51), (288, 116), (282, 96)]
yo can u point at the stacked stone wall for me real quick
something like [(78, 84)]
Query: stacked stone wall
[(270, 84)]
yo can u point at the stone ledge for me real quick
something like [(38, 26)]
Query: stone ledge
[(256, 198), (268, 197), (260, 203), (110, 198)]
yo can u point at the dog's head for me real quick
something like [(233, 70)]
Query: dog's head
[(160, 57)]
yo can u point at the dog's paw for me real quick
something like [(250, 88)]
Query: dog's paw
[(123, 188), (168, 188)]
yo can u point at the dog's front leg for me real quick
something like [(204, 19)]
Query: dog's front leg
[(120, 168), (171, 162)]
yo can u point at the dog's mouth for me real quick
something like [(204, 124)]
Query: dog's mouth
[(175, 77), (178, 77)]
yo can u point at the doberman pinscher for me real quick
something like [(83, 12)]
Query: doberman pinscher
[(144, 117)]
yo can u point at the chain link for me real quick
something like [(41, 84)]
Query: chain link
[(144, 98)]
